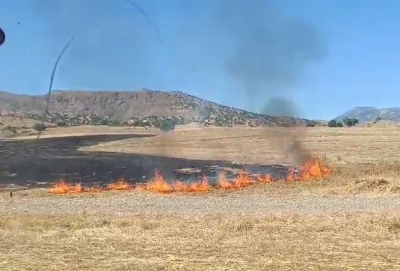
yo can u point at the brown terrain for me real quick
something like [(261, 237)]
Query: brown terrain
[(347, 219), (105, 107)]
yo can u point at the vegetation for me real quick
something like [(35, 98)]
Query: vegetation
[(10, 129), (334, 123), (167, 125), (114, 123), (39, 127), (350, 121), (61, 123), (378, 119)]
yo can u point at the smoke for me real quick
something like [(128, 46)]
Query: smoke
[(270, 53), (280, 107)]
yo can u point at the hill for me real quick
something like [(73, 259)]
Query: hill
[(371, 114), (143, 107)]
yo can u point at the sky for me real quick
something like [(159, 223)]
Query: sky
[(321, 57)]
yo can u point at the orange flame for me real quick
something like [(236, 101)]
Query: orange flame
[(159, 185), (223, 183), (180, 187), (314, 169), (243, 180), (264, 179), (63, 187), (202, 186), (120, 184)]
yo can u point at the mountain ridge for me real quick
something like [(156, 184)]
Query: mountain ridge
[(372, 114), (98, 107)]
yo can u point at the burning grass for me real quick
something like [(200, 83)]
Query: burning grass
[(312, 170)]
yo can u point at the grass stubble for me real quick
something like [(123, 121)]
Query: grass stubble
[(348, 221)]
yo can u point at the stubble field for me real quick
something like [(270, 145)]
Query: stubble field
[(349, 220)]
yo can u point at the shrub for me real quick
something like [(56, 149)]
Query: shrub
[(310, 124), (11, 129), (61, 123), (103, 122), (114, 123), (332, 123), (39, 127), (378, 119), (350, 121), (167, 126)]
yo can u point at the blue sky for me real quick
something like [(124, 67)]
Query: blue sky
[(355, 62)]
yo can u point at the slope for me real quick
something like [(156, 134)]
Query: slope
[(100, 107), (370, 114)]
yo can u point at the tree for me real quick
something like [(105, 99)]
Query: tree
[(39, 127), (61, 123), (114, 123), (350, 121), (11, 129), (310, 124), (378, 119), (332, 123), (103, 122), (167, 125)]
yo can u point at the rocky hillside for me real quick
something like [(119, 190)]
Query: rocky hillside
[(144, 107), (372, 114)]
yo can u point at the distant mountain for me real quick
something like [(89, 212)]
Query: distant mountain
[(370, 114), (147, 107)]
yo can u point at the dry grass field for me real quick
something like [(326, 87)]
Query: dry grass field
[(349, 220)]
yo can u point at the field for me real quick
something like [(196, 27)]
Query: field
[(348, 220)]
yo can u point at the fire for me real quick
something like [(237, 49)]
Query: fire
[(223, 183), (312, 170), (264, 179), (180, 187), (202, 186), (315, 169), (243, 180), (63, 187), (120, 184), (159, 185)]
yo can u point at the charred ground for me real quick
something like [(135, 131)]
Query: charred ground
[(38, 163)]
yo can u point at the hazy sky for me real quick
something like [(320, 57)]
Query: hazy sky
[(323, 56)]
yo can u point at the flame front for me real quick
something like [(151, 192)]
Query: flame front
[(159, 185), (312, 170), (120, 184), (63, 187)]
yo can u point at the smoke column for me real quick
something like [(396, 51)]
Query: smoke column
[(270, 54)]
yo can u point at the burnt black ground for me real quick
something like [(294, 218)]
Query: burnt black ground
[(38, 163)]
